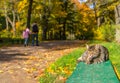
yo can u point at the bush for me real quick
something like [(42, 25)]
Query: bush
[(105, 32), (5, 34)]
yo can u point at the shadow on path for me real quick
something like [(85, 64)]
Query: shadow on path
[(7, 54), (20, 52), (61, 45)]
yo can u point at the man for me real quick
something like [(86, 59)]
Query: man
[(35, 31)]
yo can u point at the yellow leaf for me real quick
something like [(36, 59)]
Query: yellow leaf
[(11, 71), (1, 71)]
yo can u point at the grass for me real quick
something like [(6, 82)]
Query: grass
[(63, 67)]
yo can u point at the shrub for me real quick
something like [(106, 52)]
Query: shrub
[(105, 32), (5, 34)]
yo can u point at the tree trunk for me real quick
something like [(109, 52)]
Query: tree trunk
[(12, 22), (5, 13), (117, 19), (44, 36), (96, 19), (64, 30), (117, 14), (29, 13), (6, 24)]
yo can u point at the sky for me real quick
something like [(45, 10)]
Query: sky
[(82, 1), (91, 6)]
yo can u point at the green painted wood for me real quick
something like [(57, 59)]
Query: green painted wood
[(93, 73)]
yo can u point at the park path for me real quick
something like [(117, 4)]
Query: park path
[(19, 64)]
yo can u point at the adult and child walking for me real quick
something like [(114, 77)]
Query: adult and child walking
[(34, 34)]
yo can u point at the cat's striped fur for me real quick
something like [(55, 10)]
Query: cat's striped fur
[(94, 54)]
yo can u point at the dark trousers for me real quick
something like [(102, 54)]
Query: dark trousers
[(34, 38)]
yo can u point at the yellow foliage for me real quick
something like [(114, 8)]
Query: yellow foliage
[(18, 25), (111, 7), (67, 71), (22, 5), (86, 13), (80, 6), (39, 7), (50, 70), (84, 29), (98, 34), (61, 14), (64, 70)]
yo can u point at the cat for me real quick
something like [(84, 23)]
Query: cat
[(94, 54)]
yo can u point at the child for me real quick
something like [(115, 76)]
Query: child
[(26, 33)]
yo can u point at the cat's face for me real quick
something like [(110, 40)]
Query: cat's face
[(91, 52)]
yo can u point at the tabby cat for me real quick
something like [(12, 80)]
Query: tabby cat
[(94, 54)]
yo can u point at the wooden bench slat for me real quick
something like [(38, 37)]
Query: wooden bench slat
[(93, 73)]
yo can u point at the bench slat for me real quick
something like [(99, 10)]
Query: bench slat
[(93, 73)]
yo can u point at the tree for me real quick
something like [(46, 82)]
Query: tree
[(103, 9), (29, 13), (10, 14)]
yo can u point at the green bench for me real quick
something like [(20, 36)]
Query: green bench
[(94, 73)]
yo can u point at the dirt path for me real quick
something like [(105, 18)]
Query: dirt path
[(20, 64)]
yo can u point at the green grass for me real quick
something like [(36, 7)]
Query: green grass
[(64, 66)]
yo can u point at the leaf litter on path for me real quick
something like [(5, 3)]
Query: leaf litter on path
[(31, 61)]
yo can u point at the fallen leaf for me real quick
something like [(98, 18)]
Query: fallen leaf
[(1, 71)]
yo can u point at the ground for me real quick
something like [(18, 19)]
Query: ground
[(19, 64)]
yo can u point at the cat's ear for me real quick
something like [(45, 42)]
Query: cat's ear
[(87, 46), (97, 46)]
